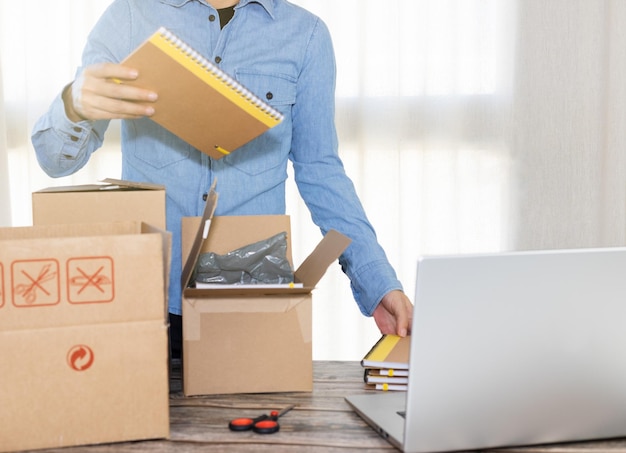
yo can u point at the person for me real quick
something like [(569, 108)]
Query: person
[(276, 49)]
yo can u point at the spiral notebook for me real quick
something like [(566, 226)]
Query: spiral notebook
[(198, 101)]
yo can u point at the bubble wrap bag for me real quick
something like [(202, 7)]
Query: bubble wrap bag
[(264, 262)]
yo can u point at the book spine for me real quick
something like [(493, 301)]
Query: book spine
[(214, 76), (386, 380), (393, 372), (387, 387), (382, 348)]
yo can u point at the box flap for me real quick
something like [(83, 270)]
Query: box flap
[(79, 274), (167, 254), (100, 203), (235, 291), (201, 235), (108, 184), (71, 230), (132, 184), (315, 265), (309, 273), (245, 230), (232, 232)]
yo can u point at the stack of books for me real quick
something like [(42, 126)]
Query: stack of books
[(386, 365)]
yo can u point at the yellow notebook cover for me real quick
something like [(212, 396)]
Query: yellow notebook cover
[(198, 101), (390, 351)]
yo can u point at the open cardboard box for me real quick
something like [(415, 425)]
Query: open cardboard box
[(83, 334), (248, 340), (112, 201)]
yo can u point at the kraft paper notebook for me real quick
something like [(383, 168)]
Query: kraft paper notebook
[(199, 102), (390, 351)]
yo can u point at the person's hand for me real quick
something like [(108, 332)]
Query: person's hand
[(394, 314), (99, 92)]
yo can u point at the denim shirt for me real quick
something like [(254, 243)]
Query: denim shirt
[(271, 46)]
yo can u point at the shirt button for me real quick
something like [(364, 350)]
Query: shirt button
[(269, 96), (73, 138), (77, 129), (212, 18), (205, 196), (218, 60)]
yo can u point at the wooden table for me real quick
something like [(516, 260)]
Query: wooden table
[(321, 422)]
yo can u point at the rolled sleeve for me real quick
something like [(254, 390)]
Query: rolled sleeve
[(62, 147)]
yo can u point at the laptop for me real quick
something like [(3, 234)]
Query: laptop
[(511, 349)]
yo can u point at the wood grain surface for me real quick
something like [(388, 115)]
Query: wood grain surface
[(321, 422)]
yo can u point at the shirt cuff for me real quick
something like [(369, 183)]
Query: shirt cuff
[(73, 135), (371, 283)]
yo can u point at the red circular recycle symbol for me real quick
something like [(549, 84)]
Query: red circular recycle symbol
[(80, 357)]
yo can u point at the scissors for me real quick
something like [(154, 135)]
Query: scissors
[(263, 424)]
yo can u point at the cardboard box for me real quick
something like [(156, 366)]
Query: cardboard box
[(246, 340), (83, 334), (112, 201)]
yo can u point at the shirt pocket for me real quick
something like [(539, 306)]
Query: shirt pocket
[(270, 150), (274, 88), (150, 144)]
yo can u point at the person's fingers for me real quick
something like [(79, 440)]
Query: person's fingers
[(101, 92)]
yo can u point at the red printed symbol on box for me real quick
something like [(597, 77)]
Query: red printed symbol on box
[(80, 357), (35, 283), (90, 280)]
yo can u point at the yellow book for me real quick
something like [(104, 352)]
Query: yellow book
[(390, 351), (197, 101)]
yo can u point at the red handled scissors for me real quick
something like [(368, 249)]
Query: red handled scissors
[(263, 424)]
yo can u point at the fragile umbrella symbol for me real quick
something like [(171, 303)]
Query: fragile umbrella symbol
[(29, 291)]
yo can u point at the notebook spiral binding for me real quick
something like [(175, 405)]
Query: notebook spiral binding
[(227, 80)]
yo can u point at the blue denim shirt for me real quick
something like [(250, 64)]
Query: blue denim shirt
[(269, 46)]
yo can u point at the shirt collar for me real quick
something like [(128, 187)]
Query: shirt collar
[(268, 5)]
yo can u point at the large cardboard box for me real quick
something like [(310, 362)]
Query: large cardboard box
[(112, 201), (246, 340), (83, 334)]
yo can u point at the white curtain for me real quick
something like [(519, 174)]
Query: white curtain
[(466, 125), (40, 46), (5, 195), (568, 126)]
